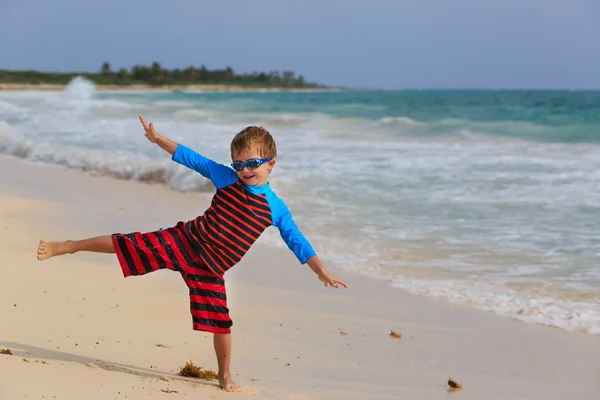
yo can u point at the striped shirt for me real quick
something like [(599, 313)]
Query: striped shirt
[(237, 216)]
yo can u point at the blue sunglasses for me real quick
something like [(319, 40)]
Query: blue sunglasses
[(252, 163)]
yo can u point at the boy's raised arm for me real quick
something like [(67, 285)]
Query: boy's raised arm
[(154, 137), (219, 174), (166, 144)]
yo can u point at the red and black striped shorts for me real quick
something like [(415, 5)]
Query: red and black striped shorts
[(141, 253)]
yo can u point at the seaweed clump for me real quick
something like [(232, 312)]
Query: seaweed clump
[(453, 384), (192, 371), (395, 335)]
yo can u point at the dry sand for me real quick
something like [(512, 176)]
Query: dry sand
[(78, 330)]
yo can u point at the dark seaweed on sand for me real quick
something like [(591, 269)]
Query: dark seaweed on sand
[(395, 335), (453, 384), (192, 371)]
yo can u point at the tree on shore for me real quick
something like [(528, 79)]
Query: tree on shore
[(157, 75), (105, 69)]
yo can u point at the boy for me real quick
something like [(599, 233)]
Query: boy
[(203, 249)]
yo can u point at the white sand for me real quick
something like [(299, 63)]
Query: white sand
[(65, 314)]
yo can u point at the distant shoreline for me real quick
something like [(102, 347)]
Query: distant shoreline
[(52, 87)]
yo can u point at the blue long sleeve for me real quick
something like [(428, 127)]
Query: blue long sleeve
[(219, 174), (291, 235)]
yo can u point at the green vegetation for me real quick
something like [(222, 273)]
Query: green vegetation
[(156, 75)]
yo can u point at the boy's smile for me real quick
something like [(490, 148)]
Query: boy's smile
[(253, 177)]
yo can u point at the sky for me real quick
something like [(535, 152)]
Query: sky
[(380, 44)]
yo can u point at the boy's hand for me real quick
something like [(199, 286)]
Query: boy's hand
[(315, 264), (331, 280), (154, 137), (151, 134)]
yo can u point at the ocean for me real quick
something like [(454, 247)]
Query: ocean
[(484, 198)]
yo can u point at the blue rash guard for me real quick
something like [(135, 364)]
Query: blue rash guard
[(237, 216)]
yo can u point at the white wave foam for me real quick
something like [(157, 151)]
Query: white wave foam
[(566, 314), (113, 103), (120, 166), (80, 88), (399, 122), (77, 95), (4, 128), (9, 109)]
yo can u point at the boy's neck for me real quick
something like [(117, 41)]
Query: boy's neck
[(257, 188)]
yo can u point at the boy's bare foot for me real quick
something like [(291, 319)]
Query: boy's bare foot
[(228, 385), (51, 249)]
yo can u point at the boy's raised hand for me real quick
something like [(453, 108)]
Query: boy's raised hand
[(151, 134)]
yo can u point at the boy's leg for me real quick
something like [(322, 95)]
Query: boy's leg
[(208, 306), (99, 244), (222, 343)]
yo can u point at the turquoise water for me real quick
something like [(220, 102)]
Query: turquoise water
[(553, 116), (487, 198)]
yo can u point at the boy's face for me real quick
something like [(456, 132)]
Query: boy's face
[(253, 177)]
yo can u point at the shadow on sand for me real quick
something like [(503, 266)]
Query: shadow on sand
[(25, 351)]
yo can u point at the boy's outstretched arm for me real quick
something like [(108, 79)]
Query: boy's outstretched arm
[(295, 240), (325, 276), (219, 174), (154, 137)]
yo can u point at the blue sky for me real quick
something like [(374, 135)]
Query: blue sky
[(372, 44)]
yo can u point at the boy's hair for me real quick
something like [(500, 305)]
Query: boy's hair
[(255, 138)]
